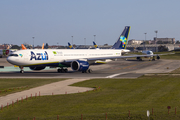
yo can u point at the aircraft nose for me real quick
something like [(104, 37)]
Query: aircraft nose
[(9, 59)]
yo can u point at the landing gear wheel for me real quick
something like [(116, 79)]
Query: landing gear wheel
[(22, 71), (65, 70), (59, 70), (89, 71), (62, 70)]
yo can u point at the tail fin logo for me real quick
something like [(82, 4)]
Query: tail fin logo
[(70, 46), (95, 46), (123, 40)]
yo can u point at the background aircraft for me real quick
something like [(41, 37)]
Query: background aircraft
[(95, 45), (5, 52), (70, 46)]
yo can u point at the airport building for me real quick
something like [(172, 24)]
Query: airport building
[(156, 40), (164, 40), (135, 42)]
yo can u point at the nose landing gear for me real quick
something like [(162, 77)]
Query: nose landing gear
[(21, 71)]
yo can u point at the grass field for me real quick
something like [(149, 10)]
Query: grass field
[(175, 56), (8, 86), (114, 97)]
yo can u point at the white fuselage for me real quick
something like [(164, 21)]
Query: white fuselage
[(147, 52), (50, 56)]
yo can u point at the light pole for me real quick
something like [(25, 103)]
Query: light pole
[(145, 40), (156, 40), (33, 42), (94, 38), (72, 40)]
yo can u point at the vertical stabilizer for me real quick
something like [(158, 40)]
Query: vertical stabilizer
[(23, 47), (122, 40), (43, 46), (95, 45), (70, 46)]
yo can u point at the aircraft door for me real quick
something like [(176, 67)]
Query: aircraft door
[(25, 57)]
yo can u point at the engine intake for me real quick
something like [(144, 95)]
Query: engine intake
[(80, 65), (158, 57)]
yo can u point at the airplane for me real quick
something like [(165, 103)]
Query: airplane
[(77, 59), (70, 46), (4, 52), (147, 52), (95, 45), (24, 48)]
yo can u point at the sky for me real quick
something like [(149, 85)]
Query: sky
[(56, 21)]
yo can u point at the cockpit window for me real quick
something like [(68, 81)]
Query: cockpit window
[(148, 52), (15, 55)]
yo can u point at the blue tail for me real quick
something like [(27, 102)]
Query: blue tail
[(95, 45), (70, 46), (122, 41)]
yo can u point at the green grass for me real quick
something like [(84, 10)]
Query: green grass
[(177, 71), (8, 86), (115, 97), (175, 56)]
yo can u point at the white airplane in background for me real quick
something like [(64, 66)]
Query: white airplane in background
[(77, 59), (5, 52), (24, 48), (148, 52)]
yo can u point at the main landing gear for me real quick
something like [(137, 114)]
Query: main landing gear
[(61, 70), (153, 59), (87, 71), (21, 71), (139, 58)]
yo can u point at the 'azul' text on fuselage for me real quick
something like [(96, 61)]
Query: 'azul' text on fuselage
[(39, 56)]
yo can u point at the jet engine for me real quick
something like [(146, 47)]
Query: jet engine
[(80, 65), (37, 67), (158, 57)]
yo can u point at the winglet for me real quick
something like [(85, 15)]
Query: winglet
[(122, 40), (23, 47)]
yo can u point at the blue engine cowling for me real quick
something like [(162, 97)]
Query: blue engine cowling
[(80, 65), (37, 67)]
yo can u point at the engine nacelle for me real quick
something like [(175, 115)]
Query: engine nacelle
[(37, 67), (138, 58), (158, 57), (80, 65)]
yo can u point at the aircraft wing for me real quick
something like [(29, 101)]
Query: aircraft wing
[(103, 58), (166, 54), (118, 57)]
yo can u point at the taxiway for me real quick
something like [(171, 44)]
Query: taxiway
[(115, 69)]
